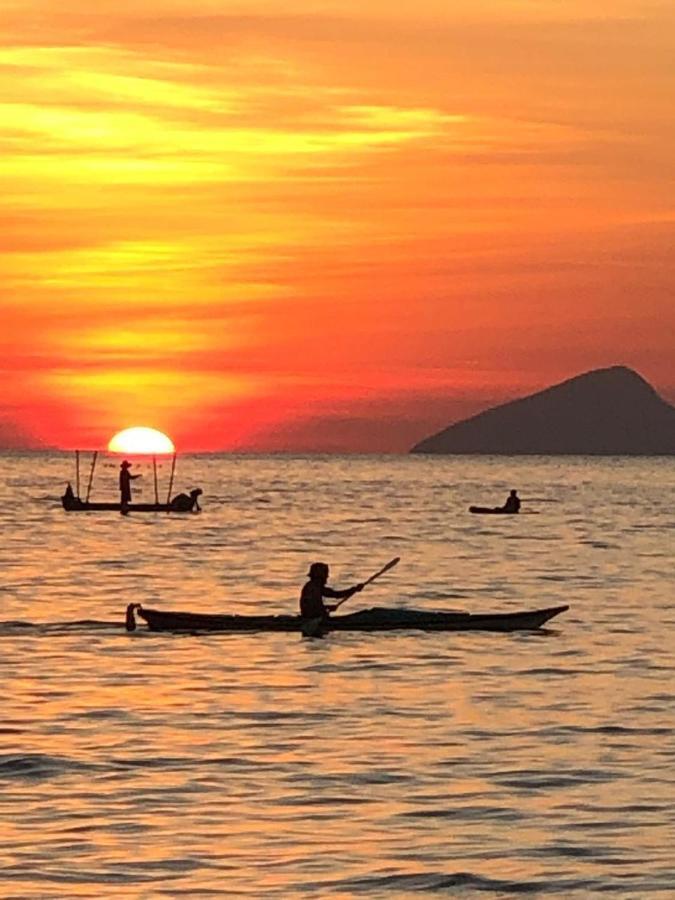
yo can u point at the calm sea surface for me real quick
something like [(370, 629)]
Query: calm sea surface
[(362, 765)]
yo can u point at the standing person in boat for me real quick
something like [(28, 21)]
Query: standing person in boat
[(512, 504), (312, 607), (125, 483)]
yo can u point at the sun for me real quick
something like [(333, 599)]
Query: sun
[(140, 440)]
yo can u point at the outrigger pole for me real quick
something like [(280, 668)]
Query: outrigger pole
[(173, 469), (91, 474), (77, 473), (154, 469)]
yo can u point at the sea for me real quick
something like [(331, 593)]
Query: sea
[(372, 765)]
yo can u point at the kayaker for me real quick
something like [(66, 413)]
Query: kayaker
[(312, 606), (512, 504), (125, 482)]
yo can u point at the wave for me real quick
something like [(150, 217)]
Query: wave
[(438, 881), (37, 766), (18, 626)]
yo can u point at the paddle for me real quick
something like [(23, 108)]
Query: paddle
[(390, 565)]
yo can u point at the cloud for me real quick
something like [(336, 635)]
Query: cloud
[(283, 213)]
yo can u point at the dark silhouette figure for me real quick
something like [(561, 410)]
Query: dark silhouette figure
[(125, 483), (512, 504), (130, 622), (186, 502), (312, 607)]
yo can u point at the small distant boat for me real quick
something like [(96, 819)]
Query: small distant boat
[(375, 619), (71, 503), (493, 511), (180, 503)]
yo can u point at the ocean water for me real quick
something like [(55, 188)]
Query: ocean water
[(361, 765)]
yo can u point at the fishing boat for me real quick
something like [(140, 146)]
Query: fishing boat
[(71, 503), (180, 503), (375, 619)]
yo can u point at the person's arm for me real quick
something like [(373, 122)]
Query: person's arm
[(140, 475), (344, 594)]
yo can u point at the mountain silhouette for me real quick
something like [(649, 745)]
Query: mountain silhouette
[(606, 412)]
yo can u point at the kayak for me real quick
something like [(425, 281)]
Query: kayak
[(375, 619), (493, 510)]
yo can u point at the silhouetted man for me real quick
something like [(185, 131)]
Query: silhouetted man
[(512, 504), (125, 483), (312, 607)]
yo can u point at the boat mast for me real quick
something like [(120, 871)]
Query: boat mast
[(173, 469), (77, 474), (154, 469), (91, 474)]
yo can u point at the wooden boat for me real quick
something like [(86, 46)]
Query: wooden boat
[(181, 503), (493, 510), (375, 619), (75, 504)]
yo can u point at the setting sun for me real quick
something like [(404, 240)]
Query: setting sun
[(140, 440)]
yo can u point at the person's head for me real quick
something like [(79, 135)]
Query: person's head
[(514, 493), (318, 571), (125, 465), (197, 492)]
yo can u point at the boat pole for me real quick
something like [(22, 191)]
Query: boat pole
[(154, 469), (77, 473), (91, 474), (173, 469)]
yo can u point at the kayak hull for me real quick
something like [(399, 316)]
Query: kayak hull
[(493, 511), (376, 619)]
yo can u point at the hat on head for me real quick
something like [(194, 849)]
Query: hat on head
[(318, 570), (125, 464)]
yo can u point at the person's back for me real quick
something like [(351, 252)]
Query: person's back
[(186, 502), (311, 601), (512, 504)]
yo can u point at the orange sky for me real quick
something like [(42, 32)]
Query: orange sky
[(326, 225)]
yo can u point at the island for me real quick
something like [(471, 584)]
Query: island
[(605, 412)]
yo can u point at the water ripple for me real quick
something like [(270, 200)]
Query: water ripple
[(361, 765)]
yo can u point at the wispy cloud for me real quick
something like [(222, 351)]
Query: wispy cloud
[(239, 202)]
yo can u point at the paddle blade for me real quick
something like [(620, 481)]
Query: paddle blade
[(390, 565)]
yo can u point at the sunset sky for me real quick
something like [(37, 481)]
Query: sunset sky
[(326, 224)]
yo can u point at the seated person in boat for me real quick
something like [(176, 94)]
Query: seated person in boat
[(186, 502), (125, 482), (69, 500), (512, 504), (311, 598)]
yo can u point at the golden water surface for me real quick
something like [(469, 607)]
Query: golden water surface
[(361, 765)]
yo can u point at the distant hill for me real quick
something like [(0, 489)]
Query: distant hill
[(604, 412)]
